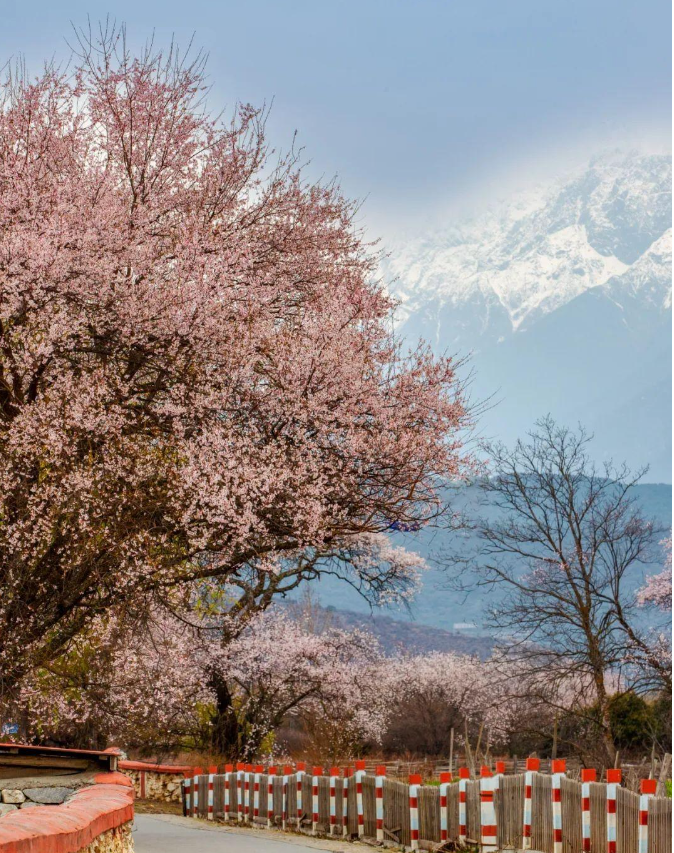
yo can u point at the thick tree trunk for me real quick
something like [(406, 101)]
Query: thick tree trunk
[(225, 725)]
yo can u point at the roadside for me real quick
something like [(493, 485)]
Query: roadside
[(173, 833), (157, 807)]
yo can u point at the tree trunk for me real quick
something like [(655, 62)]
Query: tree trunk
[(225, 725)]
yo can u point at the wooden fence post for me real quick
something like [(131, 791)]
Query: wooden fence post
[(316, 773), (211, 791), (248, 771), (558, 770), (287, 771), (488, 828), (299, 775), (195, 795), (360, 772), (414, 782), (445, 779), (464, 775), (258, 770), (334, 774), (345, 802), (228, 776), (188, 795), (379, 800), (648, 788), (613, 777), (532, 766), (271, 773), (239, 791), (587, 775)]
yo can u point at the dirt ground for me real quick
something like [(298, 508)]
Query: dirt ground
[(156, 807)]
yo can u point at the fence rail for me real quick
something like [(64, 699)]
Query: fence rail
[(415, 815)]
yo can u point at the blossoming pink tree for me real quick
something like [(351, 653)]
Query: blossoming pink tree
[(153, 687), (279, 669), (197, 373), (435, 692), (656, 645), (657, 590)]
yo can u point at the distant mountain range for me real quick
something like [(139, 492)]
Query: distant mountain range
[(412, 637), (562, 297), (437, 606)]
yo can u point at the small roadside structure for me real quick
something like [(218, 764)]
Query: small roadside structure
[(56, 800), (43, 775)]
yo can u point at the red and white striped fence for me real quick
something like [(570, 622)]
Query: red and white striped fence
[(316, 775), (211, 786), (464, 776), (613, 778), (299, 776), (648, 788), (588, 776), (558, 770), (445, 779), (348, 775), (415, 782), (360, 773), (532, 766), (488, 824), (287, 773), (195, 790), (239, 791), (271, 773), (379, 801), (334, 775), (465, 813)]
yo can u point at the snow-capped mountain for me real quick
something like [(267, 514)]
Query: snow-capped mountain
[(563, 297)]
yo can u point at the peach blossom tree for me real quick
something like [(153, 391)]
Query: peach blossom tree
[(198, 377), (151, 686)]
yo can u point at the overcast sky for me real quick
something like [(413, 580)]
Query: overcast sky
[(425, 107)]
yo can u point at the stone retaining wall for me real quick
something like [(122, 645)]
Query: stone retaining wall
[(96, 819), (156, 781), (118, 840)]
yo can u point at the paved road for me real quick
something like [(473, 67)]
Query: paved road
[(174, 834)]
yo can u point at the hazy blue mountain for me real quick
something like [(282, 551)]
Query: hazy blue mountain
[(437, 605), (563, 300)]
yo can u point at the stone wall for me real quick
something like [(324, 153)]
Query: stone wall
[(156, 781), (23, 797), (95, 819), (117, 840)]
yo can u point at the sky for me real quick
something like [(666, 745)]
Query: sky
[(424, 109)]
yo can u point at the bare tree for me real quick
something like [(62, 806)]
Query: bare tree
[(560, 547)]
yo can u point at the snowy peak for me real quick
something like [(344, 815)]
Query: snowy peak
[(562, 299), (650, 276), (541, 250), (551, 271)]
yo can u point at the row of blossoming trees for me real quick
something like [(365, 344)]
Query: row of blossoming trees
[(156, 691), (203, 406)]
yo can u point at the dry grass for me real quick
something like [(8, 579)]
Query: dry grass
[(157, 807)]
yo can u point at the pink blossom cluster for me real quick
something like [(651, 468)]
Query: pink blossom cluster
[(657, 590)]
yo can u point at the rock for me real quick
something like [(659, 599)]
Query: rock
[(10, 795), (47, 796), (28, 805), (6, 808)]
